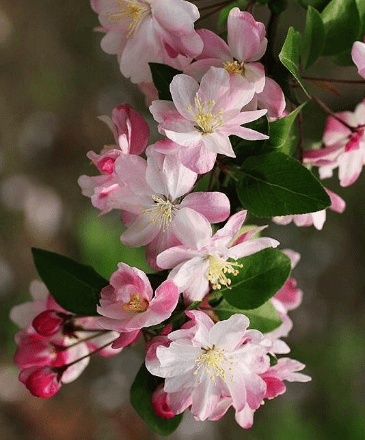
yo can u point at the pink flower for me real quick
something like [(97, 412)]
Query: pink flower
[(201, 261), (131, 135), (246, 45), (143, 31), (344, 148), (314, 218), (153, 203), (208, 362), (358, 56), (202, 117), (127, 304)]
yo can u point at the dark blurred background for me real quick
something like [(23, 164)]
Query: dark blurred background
[(54, 82)]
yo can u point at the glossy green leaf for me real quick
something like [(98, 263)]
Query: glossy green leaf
[(244, 148), (313, 38), (265, 318), (342, 24), (260, 277), (274, 184), (162, 76), (75, 287), (290, 53), (280, 132), (141, 391)]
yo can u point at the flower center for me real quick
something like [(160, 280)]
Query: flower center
[(212, 360), (207, 122), (217, 270), (136, 304), (234, 67), (162, 211), (135, 10)]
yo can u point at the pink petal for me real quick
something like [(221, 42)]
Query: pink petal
[(214, 206), (246, 36), (191, 228), (183, 90), (214, 46), (358, 57)]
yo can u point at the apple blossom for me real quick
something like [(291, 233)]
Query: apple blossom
[(143, 31), (246, 45), (208, 362), (127, 304), (154, 205), (201, 260), (202, 117)]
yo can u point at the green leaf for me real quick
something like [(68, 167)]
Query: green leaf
[(244, 148), (74, 286), (265, 318), (280, 132), (141, 391), (261, 276), (289, 54), (274, 184), (162, 76), (342, 24), (313, 38)]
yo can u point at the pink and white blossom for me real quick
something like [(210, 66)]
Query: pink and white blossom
[(246, 45), (202, 117), (200, 263), (127, 304), (131, 135), (317, 218), (153, 203), (344, 147), (207, 362), (143, 31)]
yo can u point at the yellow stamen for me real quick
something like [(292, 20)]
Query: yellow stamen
[(136, 304), (212, 361), (207, 121), (217, 270), (234, 67), (135, 10), (162, 211)]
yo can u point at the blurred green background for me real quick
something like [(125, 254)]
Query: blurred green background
[(54, 81)]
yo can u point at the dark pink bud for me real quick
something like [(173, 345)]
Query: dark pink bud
[(48, 323), (41, 382), (160, 405)]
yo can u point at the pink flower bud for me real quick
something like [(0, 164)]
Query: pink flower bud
[(41, 382), (48, 323), (160, 405)]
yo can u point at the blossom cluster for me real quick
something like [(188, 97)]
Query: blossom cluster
[(211, 273)]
